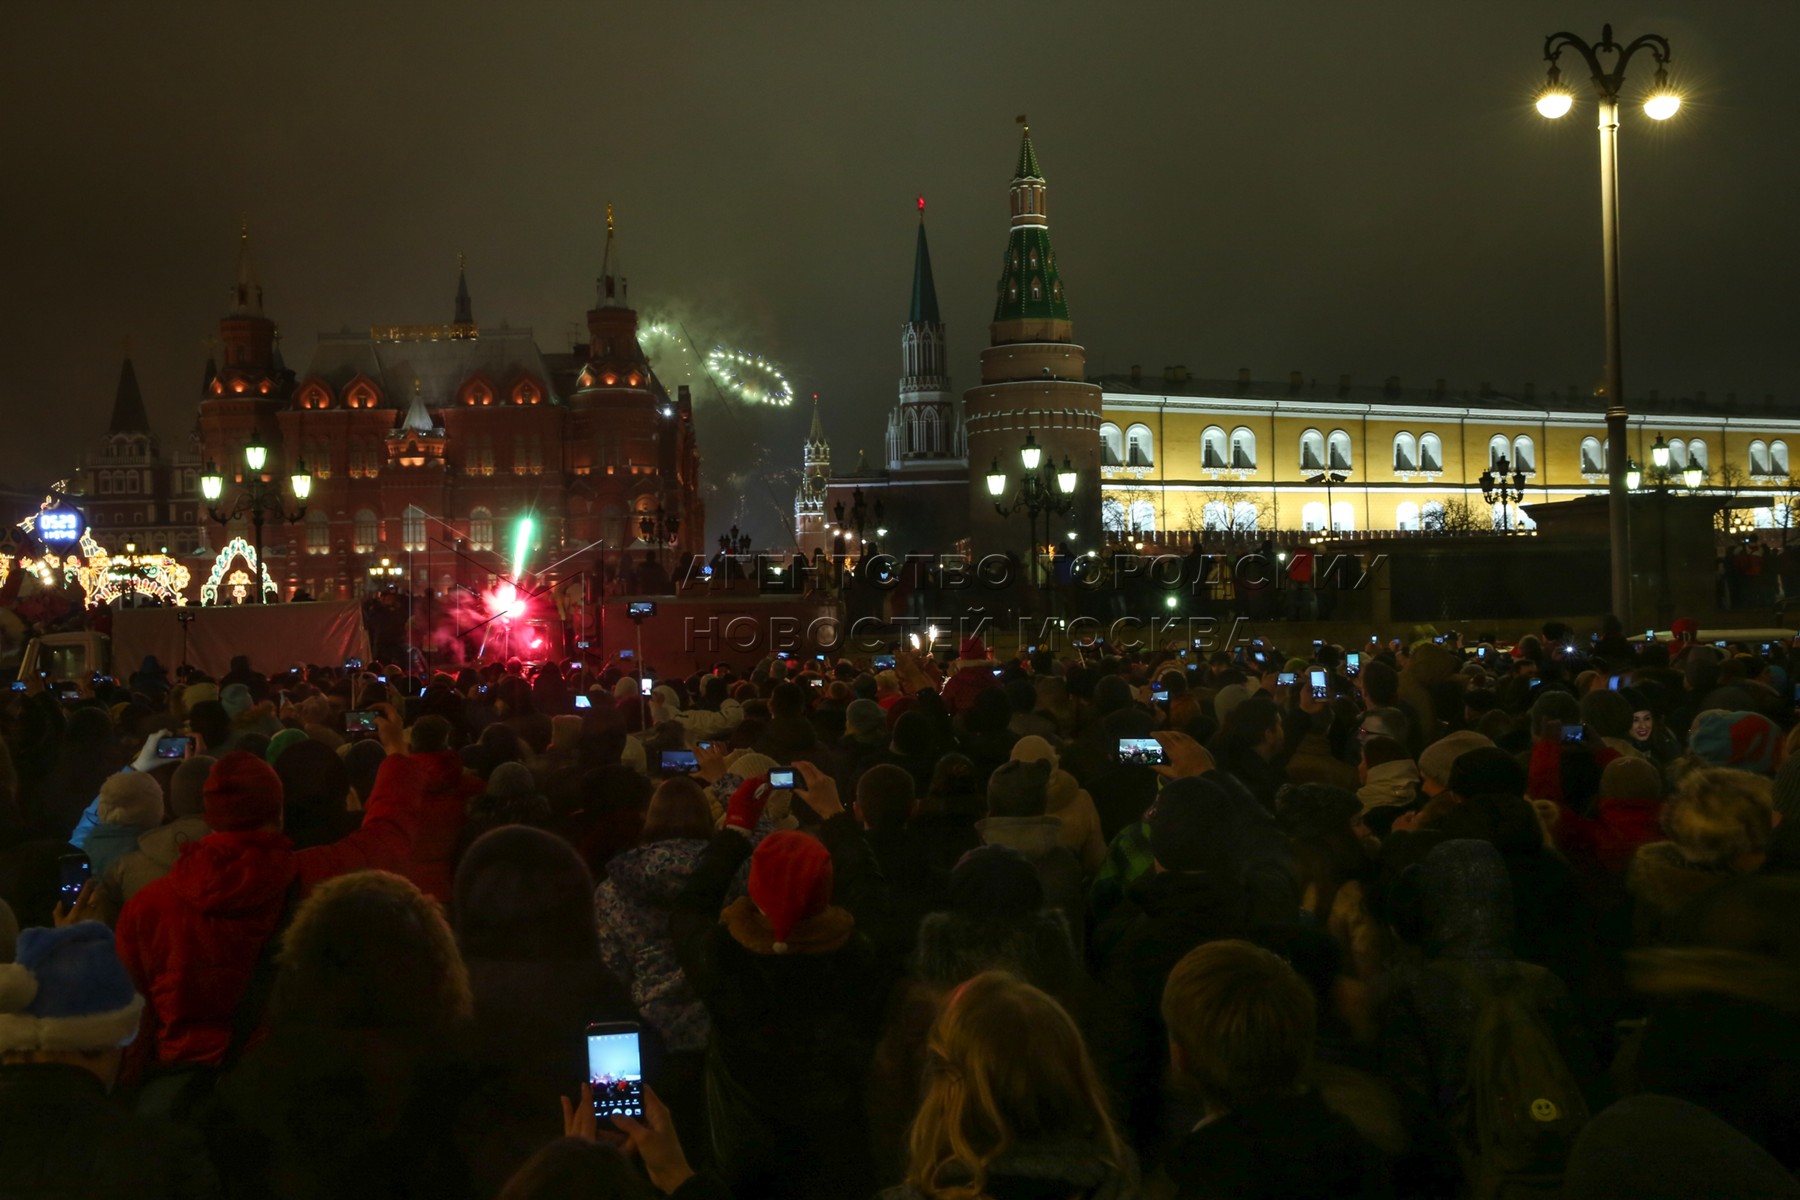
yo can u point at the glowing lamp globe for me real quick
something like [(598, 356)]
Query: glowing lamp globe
[(1693, 476), (255, 455), (212, 485), (1555, 101), (1633, 477), (1659, 453), (1030, 454)]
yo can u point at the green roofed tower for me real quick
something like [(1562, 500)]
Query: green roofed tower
[(1033, 381), (1030, 288)]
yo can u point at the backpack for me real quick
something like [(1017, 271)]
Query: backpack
[(1520, 1108)]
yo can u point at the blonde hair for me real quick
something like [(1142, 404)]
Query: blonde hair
[(1008, 1067), (678, 809), (1244, 1020), (1717, 814)]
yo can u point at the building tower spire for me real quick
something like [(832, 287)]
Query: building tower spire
[(924, 292), (128, 415), (924, 427), (815, 482), (1029, 304), (247, 293), (609, 268), (465, 314)]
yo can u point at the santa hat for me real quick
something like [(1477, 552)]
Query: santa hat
[(973, 647), (790, 880), (242, 792), (130, 798), (67, 991)]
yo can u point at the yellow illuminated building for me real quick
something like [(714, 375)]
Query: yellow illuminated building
[(1182, 454)]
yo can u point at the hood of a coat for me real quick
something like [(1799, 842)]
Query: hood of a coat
[(1661, 877), (654, 873), (1061, 790), (162, 845), (227, 873), (1466, 901), (1033, 837)]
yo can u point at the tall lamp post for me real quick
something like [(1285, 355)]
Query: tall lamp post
[(659, 528), (1037, 493), (260, 499), (1660, 479), (854, 524), (1498, 488), (1662, 103), (1330, 479)]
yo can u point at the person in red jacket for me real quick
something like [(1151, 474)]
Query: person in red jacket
[(443, 807), (191, 939), (972, 675)]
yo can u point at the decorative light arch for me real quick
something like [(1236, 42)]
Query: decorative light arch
[(235, 549)]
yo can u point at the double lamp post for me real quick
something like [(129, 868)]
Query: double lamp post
[(259, 498), (1036, 494)]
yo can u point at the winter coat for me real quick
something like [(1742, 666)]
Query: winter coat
[(1465, 917), (792, 1033), (953, 948), (707, 722), (1610, 838), (108, 843), (156, 853), (1390, 784), (971, 678), (191, 939), (1164, 916), (631, 913), (1045, 1171), (443, 810), (1277, 1149), (1039, 839), (1070, 804), (66, 1139)]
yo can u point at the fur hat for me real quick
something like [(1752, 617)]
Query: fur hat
[(198, 693), (512, 780), (237, 700), (1439, 758), (1629, 777), (131, 798), (565, 731), (790, 880), (67, 991), (1032, 748), (1744, 740), (242, 792)]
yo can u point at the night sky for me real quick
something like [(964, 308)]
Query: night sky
[(1325, 187)]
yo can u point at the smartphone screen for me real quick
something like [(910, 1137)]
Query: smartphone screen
[(616, 1070), (679, 762), (73, 870), (173, 747), (817, 682), (781, 777), (646, 686), (1159, 691), (1613, 683), (359, 721), (627, 654), (583, 702), (1317, 678), (1353, 663), (1574, 733), (884, 662), (1142, 752), (1286, 679)]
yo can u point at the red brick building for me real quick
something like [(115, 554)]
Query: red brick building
[(427, 444)]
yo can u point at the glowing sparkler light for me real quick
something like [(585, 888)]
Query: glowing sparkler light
[(750, 377)]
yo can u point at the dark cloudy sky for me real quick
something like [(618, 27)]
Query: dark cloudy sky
[(1328, 187)]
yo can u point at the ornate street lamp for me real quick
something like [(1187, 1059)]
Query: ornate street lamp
[(259, 498), (1043, 490), (1497, 488)]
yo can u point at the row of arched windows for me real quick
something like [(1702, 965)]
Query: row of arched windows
[(365, 530)]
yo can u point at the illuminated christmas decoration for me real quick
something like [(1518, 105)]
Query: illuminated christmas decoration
[(749, 377), (237, 548)]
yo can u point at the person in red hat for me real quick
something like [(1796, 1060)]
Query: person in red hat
[(193, 940), (795, 992), (971, 674)]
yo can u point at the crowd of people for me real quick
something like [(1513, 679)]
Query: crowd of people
[(1389, 920)]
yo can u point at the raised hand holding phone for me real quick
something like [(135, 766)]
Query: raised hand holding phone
[(654, 1140), (821, 792), (1186, 756)]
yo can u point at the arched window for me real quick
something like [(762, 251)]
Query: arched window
[(1140, 451), (1143, 516), (1697, 453), (1312, 450), (1524, 455), (1343, 516), (1677, 454), (1112, 515), (1778, 460), (1406, 515), (131, 481), (1312, 516), (1217, 515), (100, 477), (1431, 452), (412, 528), (1213, 449), (481, 530), (1112, 446), (1406, 452), (318, 533), (1759, 458), (1243, 449), (1244, 517), (364, 531), (1499, 448), (1431, 517), (1593, 458), (1339, 458)]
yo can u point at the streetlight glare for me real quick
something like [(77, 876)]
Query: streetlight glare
[(1662, 105), (1554, 102)]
